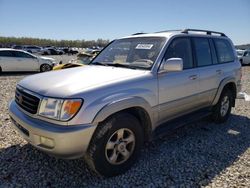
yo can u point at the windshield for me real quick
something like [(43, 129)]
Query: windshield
[(138, 53)]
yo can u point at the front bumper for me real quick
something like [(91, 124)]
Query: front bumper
[(58, 140)]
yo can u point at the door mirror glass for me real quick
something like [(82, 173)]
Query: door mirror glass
[(172, 65)]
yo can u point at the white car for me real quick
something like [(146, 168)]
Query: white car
[(244, 56), (19, 60), (32, 49)]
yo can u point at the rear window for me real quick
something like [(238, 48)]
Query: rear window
[(5, 53), (224, 51)]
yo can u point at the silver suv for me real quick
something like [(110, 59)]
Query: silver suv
[(106, 110)]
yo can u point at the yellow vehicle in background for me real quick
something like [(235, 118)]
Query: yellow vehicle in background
[(82, 59)]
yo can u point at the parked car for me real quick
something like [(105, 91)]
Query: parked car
[(82, 59), (244, 56), (52, 51), (12, 60), (17, 47), (70, 51), (138, 87), (32, 49)]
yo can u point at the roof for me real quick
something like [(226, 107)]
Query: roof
[(169, 33)]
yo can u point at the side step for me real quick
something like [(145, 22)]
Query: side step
[(168, 127)]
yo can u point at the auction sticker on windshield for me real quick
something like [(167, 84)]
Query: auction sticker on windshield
[(144, 46)]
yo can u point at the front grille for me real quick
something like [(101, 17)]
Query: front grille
[(27, 101)]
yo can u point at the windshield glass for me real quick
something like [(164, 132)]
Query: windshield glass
[(139, 52)]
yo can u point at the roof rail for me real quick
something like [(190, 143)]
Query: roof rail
[(138, 33), (205, 31), (169, 31)]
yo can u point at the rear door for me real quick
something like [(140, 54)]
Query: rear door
[(208, 69), (178, 91), (7, 60)]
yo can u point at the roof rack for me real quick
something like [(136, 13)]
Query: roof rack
[(205, 31), (169, 31), (138, 33)]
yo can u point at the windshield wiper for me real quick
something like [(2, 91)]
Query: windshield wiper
[(122, 65), (98, 63)]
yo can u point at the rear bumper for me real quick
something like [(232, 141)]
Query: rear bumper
[(57, 140)]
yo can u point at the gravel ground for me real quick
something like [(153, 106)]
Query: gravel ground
[(202, 154)]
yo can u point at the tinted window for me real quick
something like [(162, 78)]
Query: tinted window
[(21, 54), (6, 53), (181, 48), (224, 51), (203, 53)]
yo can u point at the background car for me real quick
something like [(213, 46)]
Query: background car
[(244, 56), (52, 51), (32, 49), (19, 60)]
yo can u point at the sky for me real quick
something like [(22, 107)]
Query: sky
[(111, 19)]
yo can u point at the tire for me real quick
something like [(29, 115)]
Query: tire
[(45, 68), (119, 155), (45, 53), (222, 109), (1, 70)]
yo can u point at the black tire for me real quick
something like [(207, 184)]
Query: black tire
[(220, 113), (45, 68), (0, 70), (98, 155), (45, 53)]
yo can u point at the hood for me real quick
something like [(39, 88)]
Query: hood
[(65, 83)]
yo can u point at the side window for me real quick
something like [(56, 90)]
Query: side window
[(6, 53), (181, 48), (224, 51), (203, 52), (21, 54)]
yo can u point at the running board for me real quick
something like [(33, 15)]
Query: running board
[(170, 126)]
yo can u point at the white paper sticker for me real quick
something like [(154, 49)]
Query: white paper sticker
[(144, 46)]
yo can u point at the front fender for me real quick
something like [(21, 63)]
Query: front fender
[(120, 105)]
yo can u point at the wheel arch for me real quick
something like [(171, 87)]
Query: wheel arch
[(228, 83), (136, 106)]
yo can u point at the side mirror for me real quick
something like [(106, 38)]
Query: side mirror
[(172, 65)]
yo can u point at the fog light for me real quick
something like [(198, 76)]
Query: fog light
[(47, 142)]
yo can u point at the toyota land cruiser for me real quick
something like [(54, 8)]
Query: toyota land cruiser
[(137, 87)]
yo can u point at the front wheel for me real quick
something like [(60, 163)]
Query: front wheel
[(45, 68), (115, 145), (222, 109)]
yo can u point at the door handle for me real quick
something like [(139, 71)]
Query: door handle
[(193, 77), (219, 71)]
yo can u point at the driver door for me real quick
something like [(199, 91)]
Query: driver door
[(178, 91), (26, 62)]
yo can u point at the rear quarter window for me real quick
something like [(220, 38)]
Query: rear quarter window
[(224, 51)]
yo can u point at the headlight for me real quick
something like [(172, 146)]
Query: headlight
[(59, 109)]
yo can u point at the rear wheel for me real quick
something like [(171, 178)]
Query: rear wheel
[(222, 109), (115, 145), (0, 70), (45, 68)]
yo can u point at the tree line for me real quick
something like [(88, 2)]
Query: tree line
[(10, 41)]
